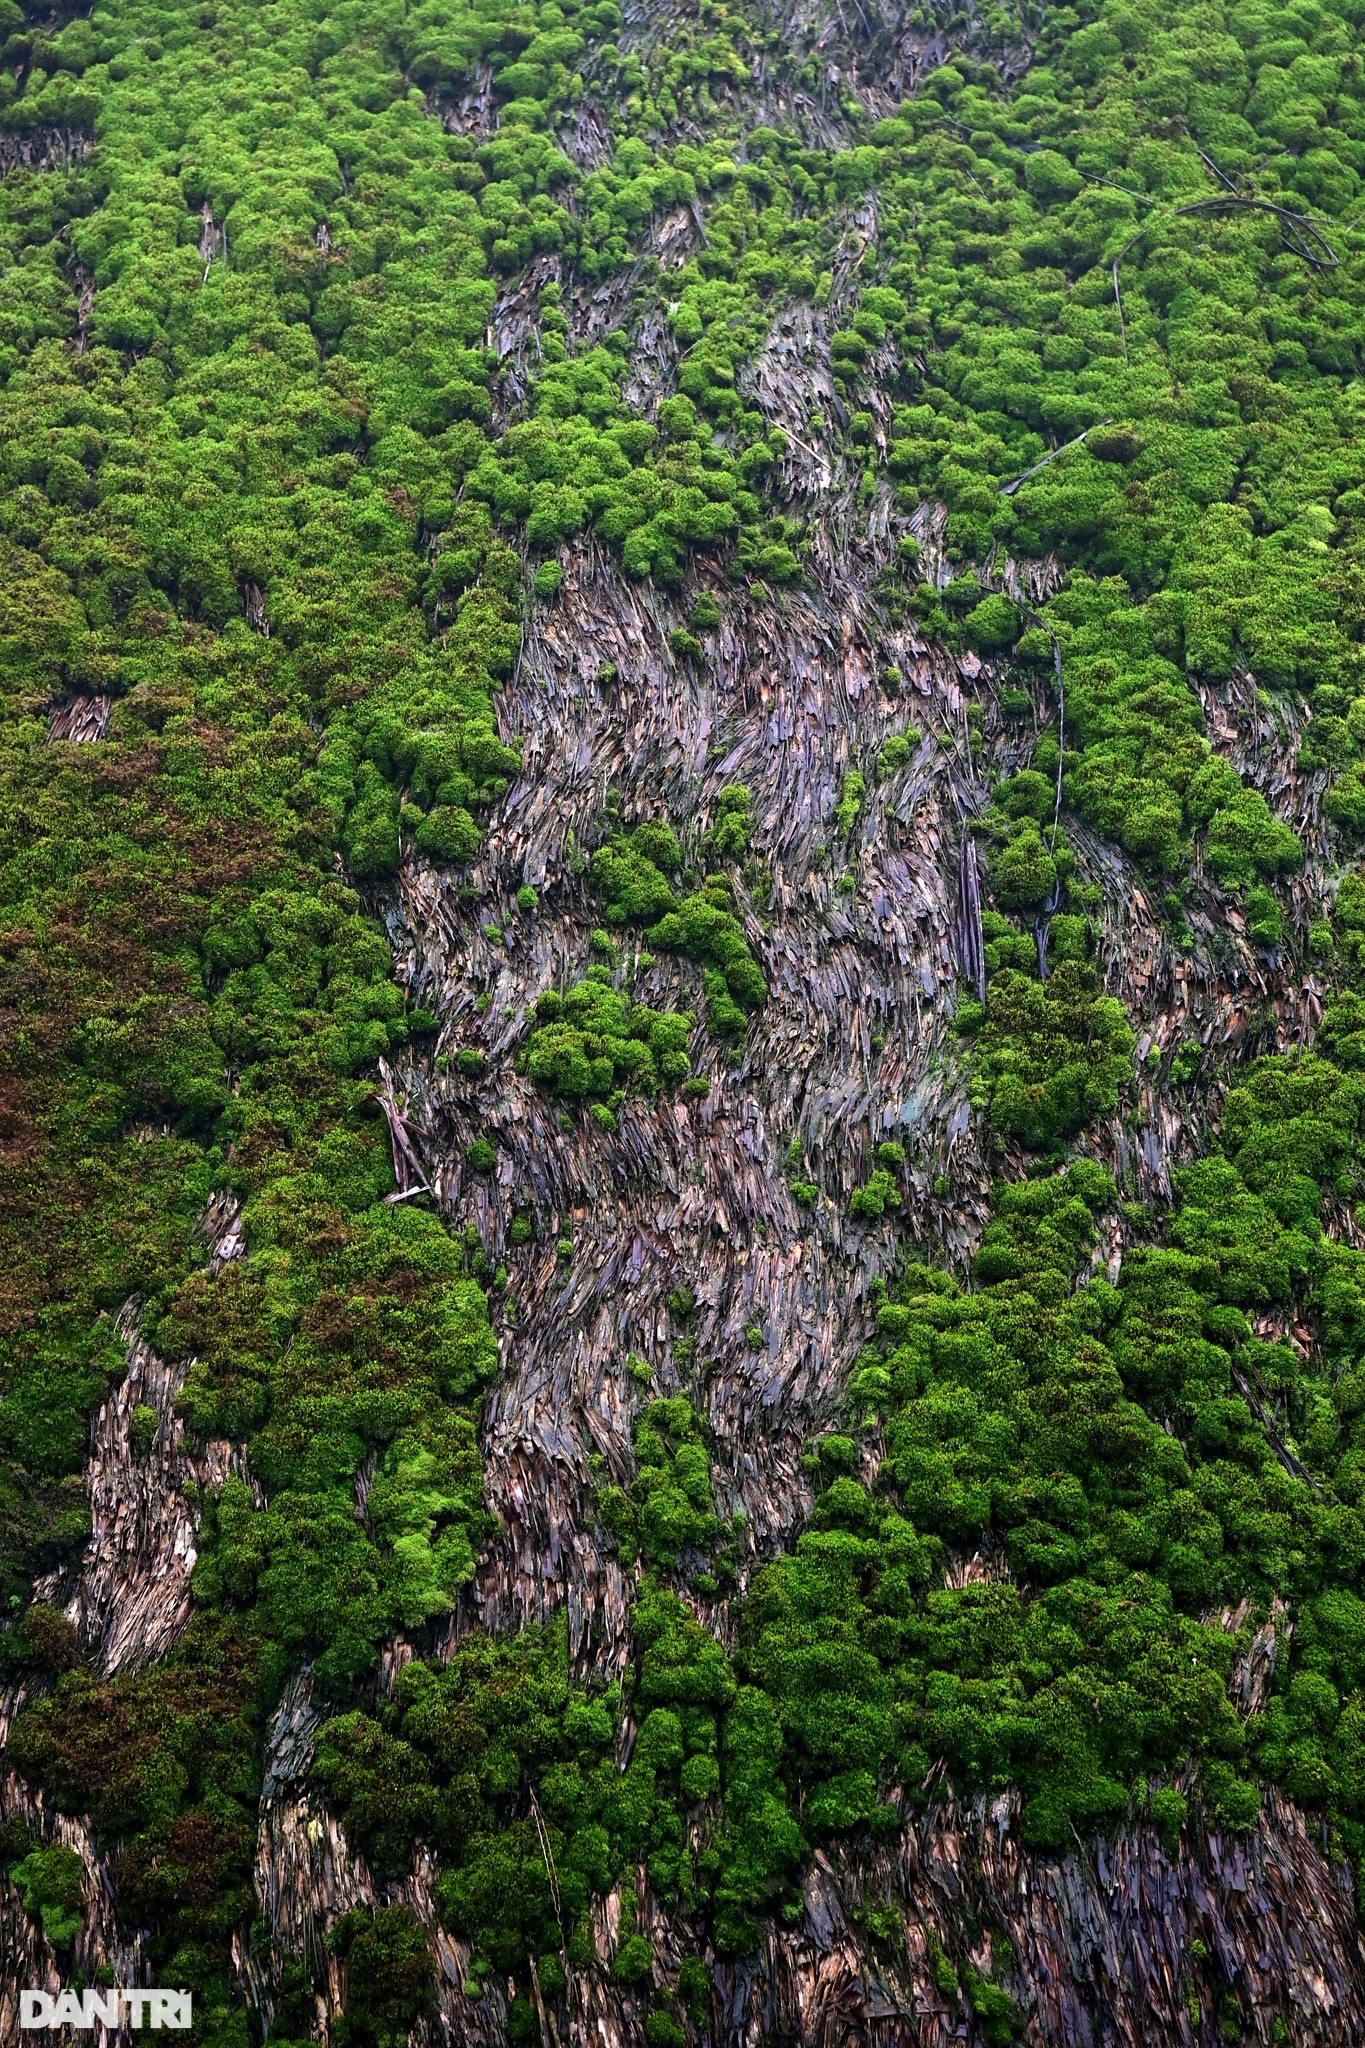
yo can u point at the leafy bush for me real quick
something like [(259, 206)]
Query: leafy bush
[(50, 1882), (728, 837), (389, 1976), (1051, 1056), (668, 1508), (984, 1431), (595, 1042)]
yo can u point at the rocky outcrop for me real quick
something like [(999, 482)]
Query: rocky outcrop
[(28, 1960), (129, 1597)]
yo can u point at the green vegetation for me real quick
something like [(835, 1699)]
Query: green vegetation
[(728, 838), (1053, 1053), (508, 1768), (166, 1764), (668, 1508), (1214, 494), (1051, 1056), (192, 999), (594, 1042), (382, 1349), (50, 1882), (631, 877), (254, 496), (850, 804), (388, 1975), (1097, 1439), (882, 1190), (896, 751)]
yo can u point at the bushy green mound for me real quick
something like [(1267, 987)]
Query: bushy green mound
[(668, 1508), (165, 1762), (50, 1884), (381, 1350), (1110, 1448), (509, 1769), (631, 876), (593, 1042), (1051, 1056)]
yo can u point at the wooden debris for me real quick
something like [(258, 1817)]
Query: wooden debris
[(212, 244), (222, 1229), (44, 148), (407, 1167), (79, 718), (129, 1597), (971, 951)]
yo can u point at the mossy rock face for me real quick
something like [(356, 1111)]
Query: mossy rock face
[(311, 421)]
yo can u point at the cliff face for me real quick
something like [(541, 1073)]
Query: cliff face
[(710, 445), (1121, 1940)]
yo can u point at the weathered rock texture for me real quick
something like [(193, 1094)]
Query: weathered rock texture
[(862, 936)]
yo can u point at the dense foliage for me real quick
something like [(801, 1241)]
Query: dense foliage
[(631, 874), (1096, 1442), (593, 1041), (519, 1778), (276, 505)]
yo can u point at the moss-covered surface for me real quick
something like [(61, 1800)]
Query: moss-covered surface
[(265, 492)]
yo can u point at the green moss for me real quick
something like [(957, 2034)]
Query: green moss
[(728, 837), (595, 1042), (462, 1748), (668, 1509), (880, 1193), (1051, 1056), (896, 750), (389, 1975), (50, 1883), (850, 804)]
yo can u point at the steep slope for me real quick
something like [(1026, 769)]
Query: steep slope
[(681, 1063)]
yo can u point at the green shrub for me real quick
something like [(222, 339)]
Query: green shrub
[(896, 751), (668, 1508), (50, 1883), (728, 837), (1023, 874), (595, 1042), (389, 1975), (1169, 1810), (850, 804), (1265, 918), (1052, 1056), (879, 1194), (993, 625)]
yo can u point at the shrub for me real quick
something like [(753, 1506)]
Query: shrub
[(1052, 1056), (896, 751), (595, 1042), (879, 1194), (50, 1883), (389, 1975)]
